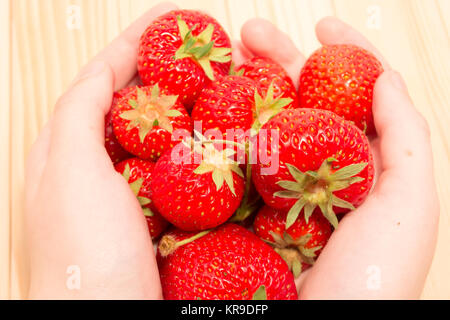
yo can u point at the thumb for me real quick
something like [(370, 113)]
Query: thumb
[(263, 39), (79, 119)]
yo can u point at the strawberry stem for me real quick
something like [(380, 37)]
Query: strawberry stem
[(168, 244), (246, 208)]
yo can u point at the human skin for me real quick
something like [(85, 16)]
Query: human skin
[(80, 211), (384, 249)]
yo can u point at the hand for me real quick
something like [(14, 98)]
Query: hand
[(79, 211), (394, 232)]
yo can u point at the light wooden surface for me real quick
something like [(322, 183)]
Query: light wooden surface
[(40, 54)]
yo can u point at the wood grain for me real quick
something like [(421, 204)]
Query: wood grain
[(41, 55), (5, 210)]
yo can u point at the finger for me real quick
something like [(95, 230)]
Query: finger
[(255, 34), (404, 134), (331, 30), (79, 119), (37, 159), (122, 53), (240, 53)]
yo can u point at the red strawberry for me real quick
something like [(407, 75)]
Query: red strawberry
[(234, 103), (340, 78), (181, 51), (233, 109), (266, 72), (145, 119), (138, 174), (199, 190), (299, 245), (229, 263), (324, 161), (113, 147)]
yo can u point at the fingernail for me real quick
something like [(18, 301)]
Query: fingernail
[(397, 81), (91, 70)]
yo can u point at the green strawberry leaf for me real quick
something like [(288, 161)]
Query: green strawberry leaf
[(173, 113), (294, 212), (349, 171), (296, 268), (147, 212), (260, 294)]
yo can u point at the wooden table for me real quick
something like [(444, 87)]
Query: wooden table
[(42, 48)]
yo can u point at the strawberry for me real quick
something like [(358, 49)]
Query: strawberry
[(145, 119), (226, 104), (112, 146), (324, 161), (182, 51), (299, 245), (228, 263), (198, 190), (340, 78), (138, 173), (233, 108), (234, 103), (266, 72)]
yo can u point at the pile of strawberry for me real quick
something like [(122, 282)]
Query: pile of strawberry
[(238, 232)]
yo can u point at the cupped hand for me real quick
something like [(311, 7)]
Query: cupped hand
[(82, 218), (382, 250), (82, 215)]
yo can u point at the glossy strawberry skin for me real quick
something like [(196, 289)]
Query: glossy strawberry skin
[(274, 220), (307, 137), (141, 169), (227, 104), (340, 78), (188, 200), (158, 46), (265, 71), (112, 146), (157, 140), (229, 263)]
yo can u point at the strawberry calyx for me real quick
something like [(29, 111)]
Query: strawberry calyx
[(268, 107), (247, 207), (135, 187), (150, 111), (201, 48), (169, 244), (315, 188), (218, 162), (294, 252)]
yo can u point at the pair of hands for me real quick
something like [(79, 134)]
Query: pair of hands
[(81, 214)]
